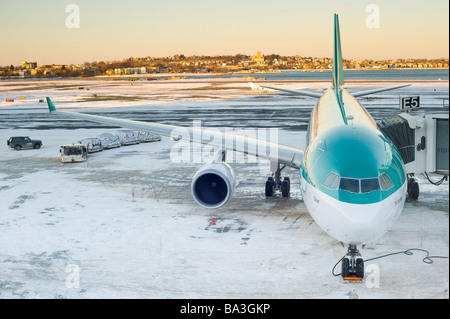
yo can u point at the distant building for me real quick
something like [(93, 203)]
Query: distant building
[(58, 66), (29, 65), (77, 67), (258, 59), (24, 73)]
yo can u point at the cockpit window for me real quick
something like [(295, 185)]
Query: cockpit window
[(369, 185), (331, 181), (357, 185), (349, 184), (385, 181)]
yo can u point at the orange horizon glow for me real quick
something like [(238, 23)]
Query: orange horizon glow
[(114, 30)]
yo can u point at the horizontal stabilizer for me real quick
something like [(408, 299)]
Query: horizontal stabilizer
[(363, 93), (296, 92)]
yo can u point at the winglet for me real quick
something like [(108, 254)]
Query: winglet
[(51, 106), (338, 68)]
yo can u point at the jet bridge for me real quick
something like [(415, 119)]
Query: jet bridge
[(423, 141)]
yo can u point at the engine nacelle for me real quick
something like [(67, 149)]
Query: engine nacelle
[(213, 185)]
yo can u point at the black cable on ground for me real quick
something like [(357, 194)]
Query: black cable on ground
[(436, 183), (428, 259), (332, 271)]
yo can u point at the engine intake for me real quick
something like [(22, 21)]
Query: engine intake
[(213, 185)]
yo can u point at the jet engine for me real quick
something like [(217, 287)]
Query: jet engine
[(213, 185)]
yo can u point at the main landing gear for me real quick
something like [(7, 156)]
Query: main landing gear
[(352, 264), (274, 183), (413, 188)]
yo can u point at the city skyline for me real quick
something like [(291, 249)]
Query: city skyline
[(108, 31)]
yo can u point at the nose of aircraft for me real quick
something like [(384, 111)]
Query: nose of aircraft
[(364, 223)]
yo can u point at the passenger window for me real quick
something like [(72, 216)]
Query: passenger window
[(349, 184), (385, 181), (331, 181), (370, 185)]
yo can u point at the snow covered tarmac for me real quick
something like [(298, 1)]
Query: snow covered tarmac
[(124, 225)]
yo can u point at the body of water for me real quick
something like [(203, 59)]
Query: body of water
[(389, 74), (295, 75)]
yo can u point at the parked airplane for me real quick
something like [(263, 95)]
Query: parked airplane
[(352, 177), (255, 87)]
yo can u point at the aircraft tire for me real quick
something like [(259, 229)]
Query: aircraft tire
[(413, 188), (414, 194), (345, 267), (269, 187), (285, 188), (359, 268)]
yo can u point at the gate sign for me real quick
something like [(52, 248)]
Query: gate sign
[(409, 102)]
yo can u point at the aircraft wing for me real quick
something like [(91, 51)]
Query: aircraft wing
[(275, 152), (363, 93), (297, 92)]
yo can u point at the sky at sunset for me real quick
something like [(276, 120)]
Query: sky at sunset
[(113, 30)]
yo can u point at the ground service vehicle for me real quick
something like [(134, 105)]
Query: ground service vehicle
[(73, 153), (21, 142)]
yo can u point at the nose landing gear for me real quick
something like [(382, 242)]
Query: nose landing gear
[(352, 264)]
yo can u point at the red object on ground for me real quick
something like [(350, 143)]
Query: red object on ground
[(213, 221)]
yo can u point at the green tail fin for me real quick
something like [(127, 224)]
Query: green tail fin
[(338, 69), (51, 107)]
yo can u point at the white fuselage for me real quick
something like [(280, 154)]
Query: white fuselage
[(353, 150), (352, 223)]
